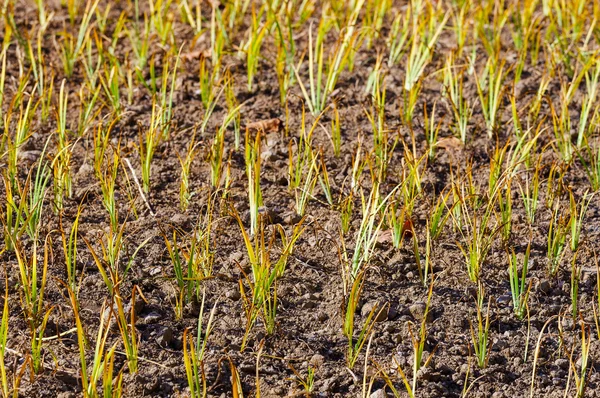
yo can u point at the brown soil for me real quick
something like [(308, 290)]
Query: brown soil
[(309, 316)]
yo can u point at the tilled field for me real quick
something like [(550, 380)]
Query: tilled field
[(366, 198)]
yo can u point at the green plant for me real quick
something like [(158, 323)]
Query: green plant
[(375, 12), (490, 90), (262, 299), (194, 351), (530, 194), (192, 261), (33, 287), (303, 169), (127, 328), (71, 49), (252, 157), (413, 170), (233, 109), (437, 217), (519, 287), (111, 81), (426, 268), (286, 49), (399, 36), (22, 132), (366, 236), (355, 345), (253, 45), (577, 217), (324, 179), (13, 221), (307, 383), (478, 236), (61, 163), (431, 131), (339, 58), (216, 153), (459, 105), (336, 132), (346, 205), (148, 145), (69, 245), (590, 158), (184, 176), (382, 148), (575, 278), (8, 389), (318, 95), (505, 204), (588, 105), (418, 345), (103, 362), (480, 337), (398, 221), (489, 20), (557, 237), (109, 264), (5, 46), (426, 29), (581, 377), (107, 178)]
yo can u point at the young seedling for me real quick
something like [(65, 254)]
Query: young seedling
[(62, 161), (426, 29), (127, 328), (8, 388), (438, 217), (399, 36), (590, 158), (418, 343), (519, 287), (149, 142), (112, 270), (382, 148), (286, 50), (432, 130), (366, 236), (71, 49), (35, 310), (399, 221), (339, 59), (194, 352), (480, 337), (103, 362), (252, 158), (505, 204), (22, 132), (257, 36), (69, 245), (355, 345), (192, 258), (184, 176), (324, 180), (490, 90), (530, 193), (577, 218), (262, 299), (557, 237), (303, 169), (581, 370), (479, 236)]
